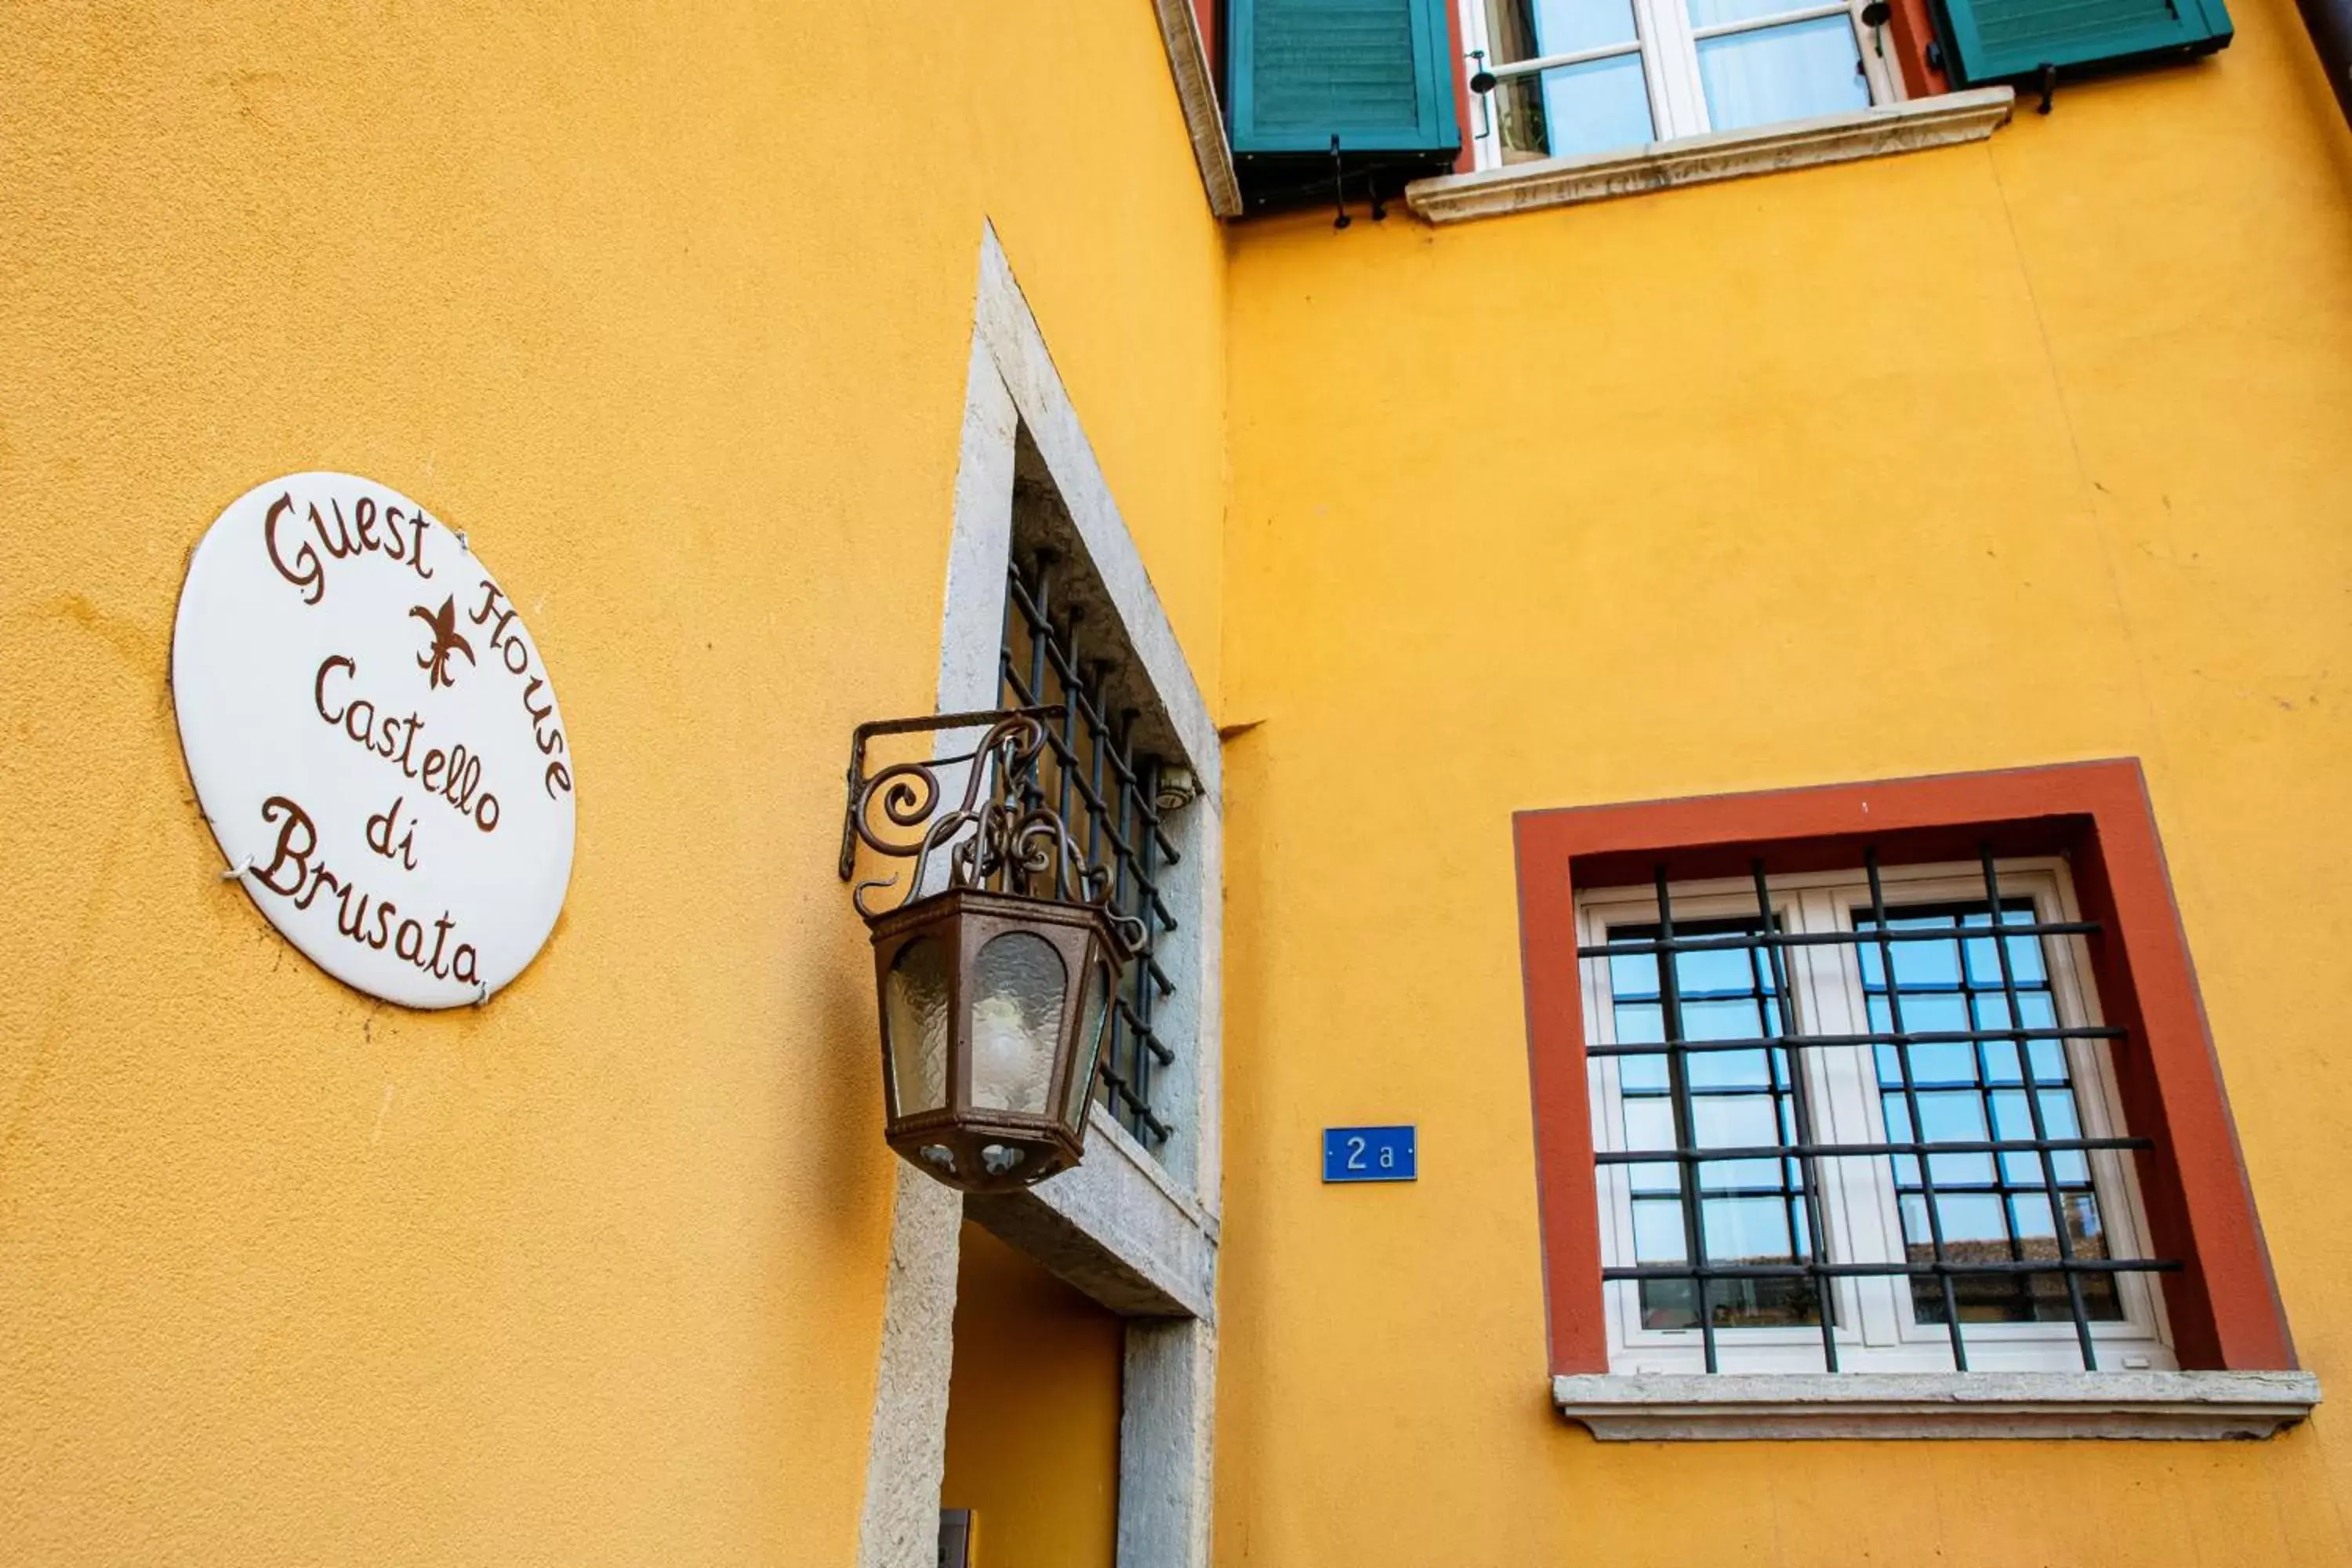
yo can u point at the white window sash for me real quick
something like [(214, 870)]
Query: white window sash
[(1668, 44)]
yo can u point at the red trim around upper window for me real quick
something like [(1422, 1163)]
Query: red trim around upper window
[(2224, 1304)]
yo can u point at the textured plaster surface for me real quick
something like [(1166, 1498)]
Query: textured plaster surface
[(654, 303), (2027, 450)]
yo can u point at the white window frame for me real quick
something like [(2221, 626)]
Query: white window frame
[(1668, 45), (1877, 1331)]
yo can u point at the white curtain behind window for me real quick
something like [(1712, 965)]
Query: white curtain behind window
[(1765, 75)]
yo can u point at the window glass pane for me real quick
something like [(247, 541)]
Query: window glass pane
[(1638, 1024), (2024, 956), (1722, 1019), (1949, 1117), (1890, 1062), (1749, 1230), (1897, 1112), (1716, 13), (1753, 1209), (2034, 1008), (2010, 1120), (1650, 1123), (1658, 1231), (1527, 29), (1642, 1074), (1715, 972), (1919, 962), (1993, 1209), (2030, 1213), (1733, 1121), (1949, 1064), (1564, 27), (1972, 1233), (1729, 1069), (1975, 1226), (1632, 974), (1599, 106), (1791, 72), (1933, 1012), (1648, 1178), (2058, 1121), (1788, 1302), (2049, 1060), (1740, 1175), (1510, 30), (1669, 1304)]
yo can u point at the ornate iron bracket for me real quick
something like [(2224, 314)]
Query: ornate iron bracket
[(994, 836)]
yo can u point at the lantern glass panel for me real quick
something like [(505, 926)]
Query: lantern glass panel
[(1093, 1015), (1017, 989), (914, 1011)]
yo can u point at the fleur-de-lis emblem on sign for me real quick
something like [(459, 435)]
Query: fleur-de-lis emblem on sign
[(435, 660)]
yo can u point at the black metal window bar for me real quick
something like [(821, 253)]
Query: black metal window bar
[(2001, 1218), (1091, 771)]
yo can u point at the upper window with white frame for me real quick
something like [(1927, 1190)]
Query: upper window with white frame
[(1574, 76), (1892, 1139)]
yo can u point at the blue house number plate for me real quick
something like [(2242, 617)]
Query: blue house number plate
[(1368, 1154)]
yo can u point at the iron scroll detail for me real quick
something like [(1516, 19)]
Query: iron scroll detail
[(987, 838)]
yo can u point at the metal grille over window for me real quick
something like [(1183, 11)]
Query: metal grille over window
[(1107, 790), (1980, 1134)]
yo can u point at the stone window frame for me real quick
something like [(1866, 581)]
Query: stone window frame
[(1136, 1233)]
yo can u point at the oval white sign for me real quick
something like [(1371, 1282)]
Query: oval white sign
[(374, 740)]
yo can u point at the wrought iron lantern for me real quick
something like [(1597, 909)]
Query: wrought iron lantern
[(996, 966)]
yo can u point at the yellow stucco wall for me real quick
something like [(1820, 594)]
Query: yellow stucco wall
[(2023, 451), (1033, 1414), (671, 308)]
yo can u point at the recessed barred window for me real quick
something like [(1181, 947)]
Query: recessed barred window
[(1853, 1118), (1099, 774)]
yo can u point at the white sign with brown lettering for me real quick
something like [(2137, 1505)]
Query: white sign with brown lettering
[(373, 739)]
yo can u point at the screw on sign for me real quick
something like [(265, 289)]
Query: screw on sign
[(373, 739)]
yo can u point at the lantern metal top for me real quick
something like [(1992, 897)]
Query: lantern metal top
[(989, 839)]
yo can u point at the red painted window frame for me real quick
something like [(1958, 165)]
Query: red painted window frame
[(2224, 1303)]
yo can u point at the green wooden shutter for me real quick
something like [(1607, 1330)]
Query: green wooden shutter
[(2001, 40), (1378, 74)]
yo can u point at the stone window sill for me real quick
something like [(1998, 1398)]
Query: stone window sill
[(1906, 127), (1664, 1408)]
